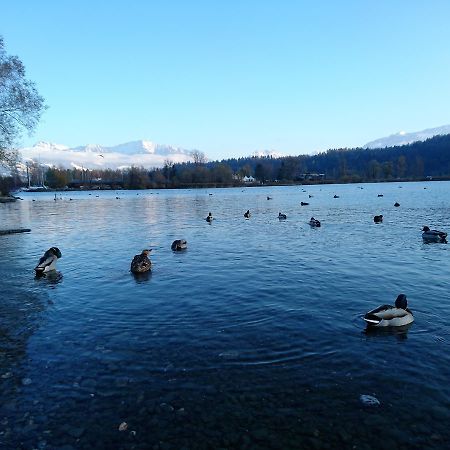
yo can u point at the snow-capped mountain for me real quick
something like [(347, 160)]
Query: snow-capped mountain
[(403, 138), (267, 154), (93, 156)]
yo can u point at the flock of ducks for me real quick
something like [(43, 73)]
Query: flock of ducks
[(384, 316)]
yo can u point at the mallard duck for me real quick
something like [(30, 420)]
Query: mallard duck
[(179, 244), (48, 262), (282, 216), (141, 263), (304, 203), (314, 222), (209, 218), (390, 316), (247, 214), (378, 219), (433, 235)]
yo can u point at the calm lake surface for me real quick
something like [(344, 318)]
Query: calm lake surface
[(251, 338)]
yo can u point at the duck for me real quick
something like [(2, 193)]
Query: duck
[(314, 222), (247, 214), (282, 216), (433, 235), (179, 244), (309, 196), (396, 204), (378, 219), (269, 198), (304, 203), (336, 196), (390, 316), (48, 261), (141, 263), (209, 218), (380, 195)]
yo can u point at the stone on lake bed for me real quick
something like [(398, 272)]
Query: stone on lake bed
[(26, 381), (369, 400)]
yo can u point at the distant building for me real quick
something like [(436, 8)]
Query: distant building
[(249, 179)]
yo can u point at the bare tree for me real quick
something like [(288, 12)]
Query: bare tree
[(198, 157), (21, 105)]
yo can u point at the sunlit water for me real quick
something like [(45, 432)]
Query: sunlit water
[(251, 338)]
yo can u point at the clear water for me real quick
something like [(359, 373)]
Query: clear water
[(252, 338)]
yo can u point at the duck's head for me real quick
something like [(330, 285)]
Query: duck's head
[(146, 251), (425, 228), (56, 252), (401, 302)]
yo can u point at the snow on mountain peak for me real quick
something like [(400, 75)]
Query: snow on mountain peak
[(135, 153), (404, 138)]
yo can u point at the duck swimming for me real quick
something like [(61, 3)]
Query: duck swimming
[(282, 216), (209, 218), (390, 316), (247, 214), (141, 263), (396, 204), (314, 222), (179, 244), (433, 235), (378, 219), (48, 261), (304, 203)]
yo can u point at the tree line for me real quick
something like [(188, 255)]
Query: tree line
[(417, 161)]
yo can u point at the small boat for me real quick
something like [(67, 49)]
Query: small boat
[(141, 263), (179, 244), (378, 219), (282, 216), (314, 222), (434, 235), (390, 316), (48, 261)]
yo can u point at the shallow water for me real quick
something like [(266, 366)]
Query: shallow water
[(251, 338)]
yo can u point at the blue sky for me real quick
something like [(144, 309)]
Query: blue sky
[(232, 77)]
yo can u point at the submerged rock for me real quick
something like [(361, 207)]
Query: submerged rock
[(369, 400)]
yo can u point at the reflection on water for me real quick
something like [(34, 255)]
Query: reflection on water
[(252, 338)]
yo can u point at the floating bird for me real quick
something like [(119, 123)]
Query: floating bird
[(380, 195), (269, 198), (101, 156), (117, 198), (209, 218), (309, 195), (304, 204), (336, 196), (314, 222), (48, 262), (282, 216), (247, 214), (390, 316), (179, 244), (396, 204), (434, 235), (141, 263), (378, 219)]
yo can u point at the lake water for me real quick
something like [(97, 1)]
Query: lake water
[(251, 338)]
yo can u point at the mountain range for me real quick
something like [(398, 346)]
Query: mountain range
[(93, 156), (404, 138), (150, 155)]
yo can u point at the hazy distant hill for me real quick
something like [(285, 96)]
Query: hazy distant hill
[(136, 153), (403, 138)]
